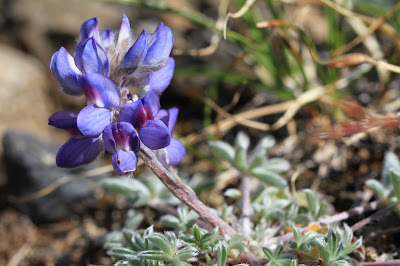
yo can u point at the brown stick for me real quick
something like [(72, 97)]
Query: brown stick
[(183, 192), (383, 263), (373, 217)]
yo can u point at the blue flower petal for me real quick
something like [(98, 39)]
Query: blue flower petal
[(173, 153), (124, 162), (92, 120), (66, 73), (124, 36), (90, 57), (163, 115), (160, 46), (120, 135), (160, 80), (169, 117), (155, 135), (133, 113), (104, 59), (108, 139), (135, 55), (107, 38), (89, 29), (76, 152), (151, 102), (65, 120), (172, 117), (100, 90)]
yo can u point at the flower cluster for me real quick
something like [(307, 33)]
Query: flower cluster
[(122, 81)]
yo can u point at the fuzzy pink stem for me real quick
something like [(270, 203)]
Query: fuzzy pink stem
[(246, 205), (183, 192), (383, 263)]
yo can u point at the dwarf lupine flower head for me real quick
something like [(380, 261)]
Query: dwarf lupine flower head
[(121, 79)]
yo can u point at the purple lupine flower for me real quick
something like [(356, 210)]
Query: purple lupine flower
[(175, 151), (100, 90), (87, 125), (160, 80), (121, 140), (113, 115), (79, 149), (135, 55), (89, 28), (149, 56), (150, 52), (107, 39), (89, 57), (124, 36), (153, 133), (103, 93)]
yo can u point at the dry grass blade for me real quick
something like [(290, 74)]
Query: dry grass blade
[(238, 120), (353, 110), (289, 107), (357, 59), (215, 39), (385, 27), (61, 181), (376, 24), (343, 61), (226, 124), (363, 121), (238, 14), (347, 129), (307, 97)]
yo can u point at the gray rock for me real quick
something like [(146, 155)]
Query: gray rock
[(30, 166), (24, 103)]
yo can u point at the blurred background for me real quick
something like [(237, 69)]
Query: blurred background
[(255, 67)]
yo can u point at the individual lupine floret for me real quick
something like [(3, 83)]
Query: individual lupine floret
[(89, 28), (150, 52), (121, 140), (175, 151), (107, 39), (158, 81), (103, 94), (124, 36), (153, 133), (89, 57), (79, 149)]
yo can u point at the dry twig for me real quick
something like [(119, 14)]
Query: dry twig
[(61, 181)]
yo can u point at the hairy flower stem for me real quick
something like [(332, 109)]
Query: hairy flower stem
[(246, 204), (373, 217), (184, 193), (383, 263), (337, 218)]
